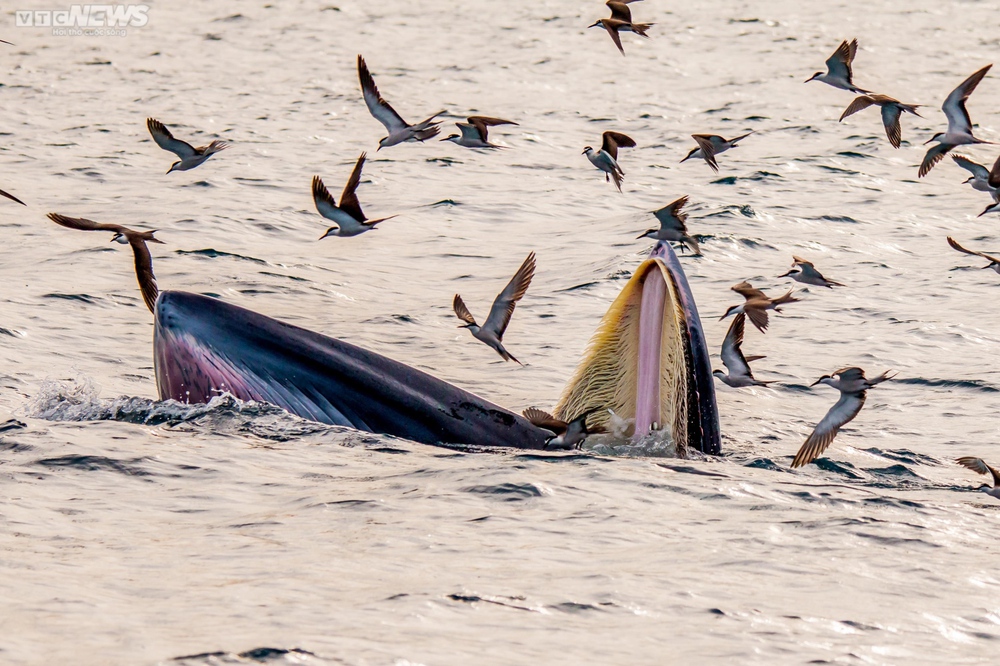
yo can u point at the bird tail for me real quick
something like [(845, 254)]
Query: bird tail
[(618, 177), (732, 142), (881, 378), (216, 147), (787, 298), (691, 244), (429, 133), (507, 356), (911, 108), (641, 28)]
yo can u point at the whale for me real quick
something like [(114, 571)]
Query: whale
[(647, 361)]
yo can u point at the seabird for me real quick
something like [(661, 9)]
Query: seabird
[(891, 110), (474, 132), (606, 159), (710, 145), (672, 226), (732, 357), (399, 130), (805, 272), (349, 217), (838, 66), (12, 197), (757, 304), (979, 465), (852, 385), (959, 124), (124, 235), (981, 176), (565, 435), (492, 330), (613, 26), (994, 261), (190, 156)]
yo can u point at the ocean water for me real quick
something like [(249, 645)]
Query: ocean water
[(138, 532)]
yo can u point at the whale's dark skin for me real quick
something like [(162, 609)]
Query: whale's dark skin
[(203, 346)]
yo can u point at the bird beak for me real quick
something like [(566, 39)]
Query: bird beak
[(984, 212), (817, 382), (967, 180), (810, 79), (787, 274), (928, 141)]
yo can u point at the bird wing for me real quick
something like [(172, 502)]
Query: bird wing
[(164, 139), (933, 156), (471, 132), (82, 224), (462, 312), (839, 63), (860, 103), (503, 305), (976, 169), (822, 435), (748, 291), (545, 420), (349, 199), (758, 317), (612, 141), (144, 271), (954, 105), (670, 216), (324, 201), (12, 197), (890, 119), (612, 27), (378, 107), (482, 122), (732, 355), (954, 244), (993, 181), (979, 466), (619, 11), (704, 142)]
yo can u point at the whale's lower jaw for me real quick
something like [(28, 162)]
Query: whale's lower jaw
[(648, 360), (204, 347)]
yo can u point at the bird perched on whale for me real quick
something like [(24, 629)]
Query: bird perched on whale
[(492, 330), (757, 304), (853, 387), (190, 157), (959, 123), (399, 130), (606, 159), (673, 226), (349, 217), (125, 236), (565, 435)]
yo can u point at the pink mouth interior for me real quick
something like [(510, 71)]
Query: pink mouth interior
[(647, 407)]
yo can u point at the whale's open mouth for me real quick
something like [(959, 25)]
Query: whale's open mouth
[(648, 360)]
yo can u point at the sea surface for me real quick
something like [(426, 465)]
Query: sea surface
[(140, 532)]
